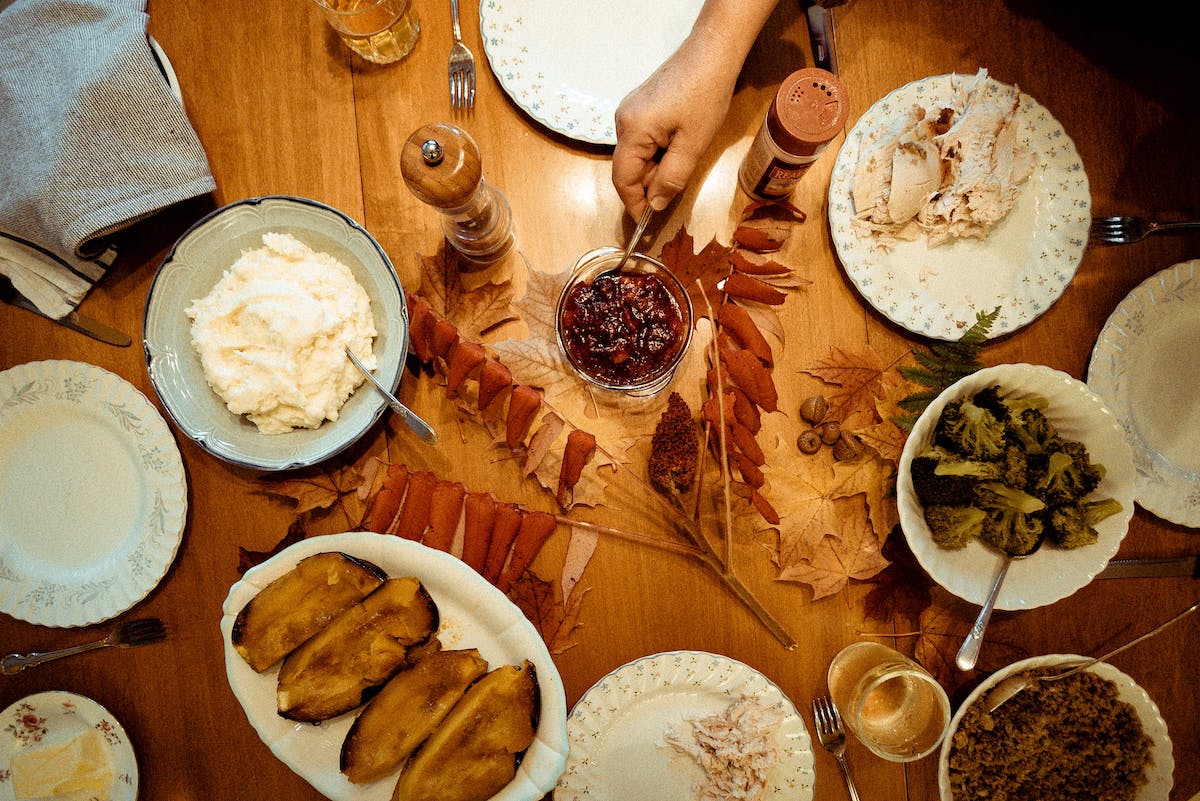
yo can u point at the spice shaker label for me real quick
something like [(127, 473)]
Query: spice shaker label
[(809, 110)]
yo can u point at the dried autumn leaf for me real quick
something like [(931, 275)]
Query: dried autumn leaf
[(475, 311), (580, 549), (851, 552), (902, 589), (860, 380), (709, 267), (554, 619), (313, 490), (945, 623), (779, 210), (804, 497)]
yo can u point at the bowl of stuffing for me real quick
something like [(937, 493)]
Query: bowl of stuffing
[(1007, 456), (1092, 735)]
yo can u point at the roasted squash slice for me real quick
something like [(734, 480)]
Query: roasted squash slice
[(360, 649), (300, 603), (406, 711), (474, 753)]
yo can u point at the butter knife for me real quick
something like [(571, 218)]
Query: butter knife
[(820, 33), (74, 320), (1152, 568)]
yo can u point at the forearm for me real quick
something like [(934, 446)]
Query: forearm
[(727, 29)]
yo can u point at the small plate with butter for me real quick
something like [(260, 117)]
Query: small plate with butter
[(62, 744)]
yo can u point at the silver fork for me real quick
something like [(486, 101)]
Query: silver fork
[(832, 737), (123, 635), (462, 66), (1122, 230)]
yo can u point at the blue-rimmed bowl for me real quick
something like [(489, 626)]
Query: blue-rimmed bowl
[(193, 267)]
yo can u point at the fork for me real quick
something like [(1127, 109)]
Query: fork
[(462, 66), (832, 737), (123, 635), (1122, 230)]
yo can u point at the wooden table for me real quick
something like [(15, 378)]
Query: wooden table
[(282, 108)]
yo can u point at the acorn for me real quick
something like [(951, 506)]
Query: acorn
[(813, 409), (847, 448), (830, 431), (808, 441)]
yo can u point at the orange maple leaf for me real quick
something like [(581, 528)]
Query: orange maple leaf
[(860, 379), (555, 621), (710, 266)]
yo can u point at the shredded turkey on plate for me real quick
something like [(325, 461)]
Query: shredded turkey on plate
[(953, 170), (736, 749)]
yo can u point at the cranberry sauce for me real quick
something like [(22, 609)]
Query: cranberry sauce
[(622, 329)]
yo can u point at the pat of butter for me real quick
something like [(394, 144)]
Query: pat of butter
[(66, 761)]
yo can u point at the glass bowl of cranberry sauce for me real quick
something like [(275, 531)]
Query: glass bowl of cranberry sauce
[(625, 331)]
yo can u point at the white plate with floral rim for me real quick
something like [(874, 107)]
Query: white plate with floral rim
[(568, 65), (1144, 364), (1159, 778), (617, 729), (1052, 573), (473, 614), (1022, 266), (95, 496), (34, 718)]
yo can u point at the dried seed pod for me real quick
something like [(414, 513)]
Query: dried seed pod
[(808, 441), (847, 448), (830, 431), (813, 409)]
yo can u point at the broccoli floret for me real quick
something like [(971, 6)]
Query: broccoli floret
[(990, 399), (1072, 525), (943, 478), (1015, 469), (970, 430), (954, 526), (1095, 511), (1014, 521), (1069, 475), (1032, 431)]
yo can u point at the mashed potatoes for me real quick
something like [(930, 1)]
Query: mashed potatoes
[(272, 335)]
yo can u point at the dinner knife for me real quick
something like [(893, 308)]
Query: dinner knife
[(820, 33), (1152, 568), (74, 320)]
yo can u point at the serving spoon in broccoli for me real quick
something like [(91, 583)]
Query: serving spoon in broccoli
[(968, 654)]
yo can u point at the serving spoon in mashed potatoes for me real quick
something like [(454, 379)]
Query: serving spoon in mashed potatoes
[(419, 426), (1018, 682)]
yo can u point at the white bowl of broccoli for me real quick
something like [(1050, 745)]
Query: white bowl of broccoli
[(1004, 457)]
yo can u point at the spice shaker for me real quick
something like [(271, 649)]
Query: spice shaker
[(442, 167), (808, 111)]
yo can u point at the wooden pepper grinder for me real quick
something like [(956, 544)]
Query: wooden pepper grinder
[(441, 165)]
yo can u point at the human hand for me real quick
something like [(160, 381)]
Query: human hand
[(664, 126)]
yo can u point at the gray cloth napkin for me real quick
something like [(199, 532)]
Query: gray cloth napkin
[(91, 141)]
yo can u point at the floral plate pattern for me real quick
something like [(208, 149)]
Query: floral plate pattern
[(1144, 364), (1022, 266), (94, 493), (616, 729), (568, 65), (34, 717)]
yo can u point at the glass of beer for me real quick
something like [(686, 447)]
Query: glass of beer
[(381, 31), (890, 703)]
